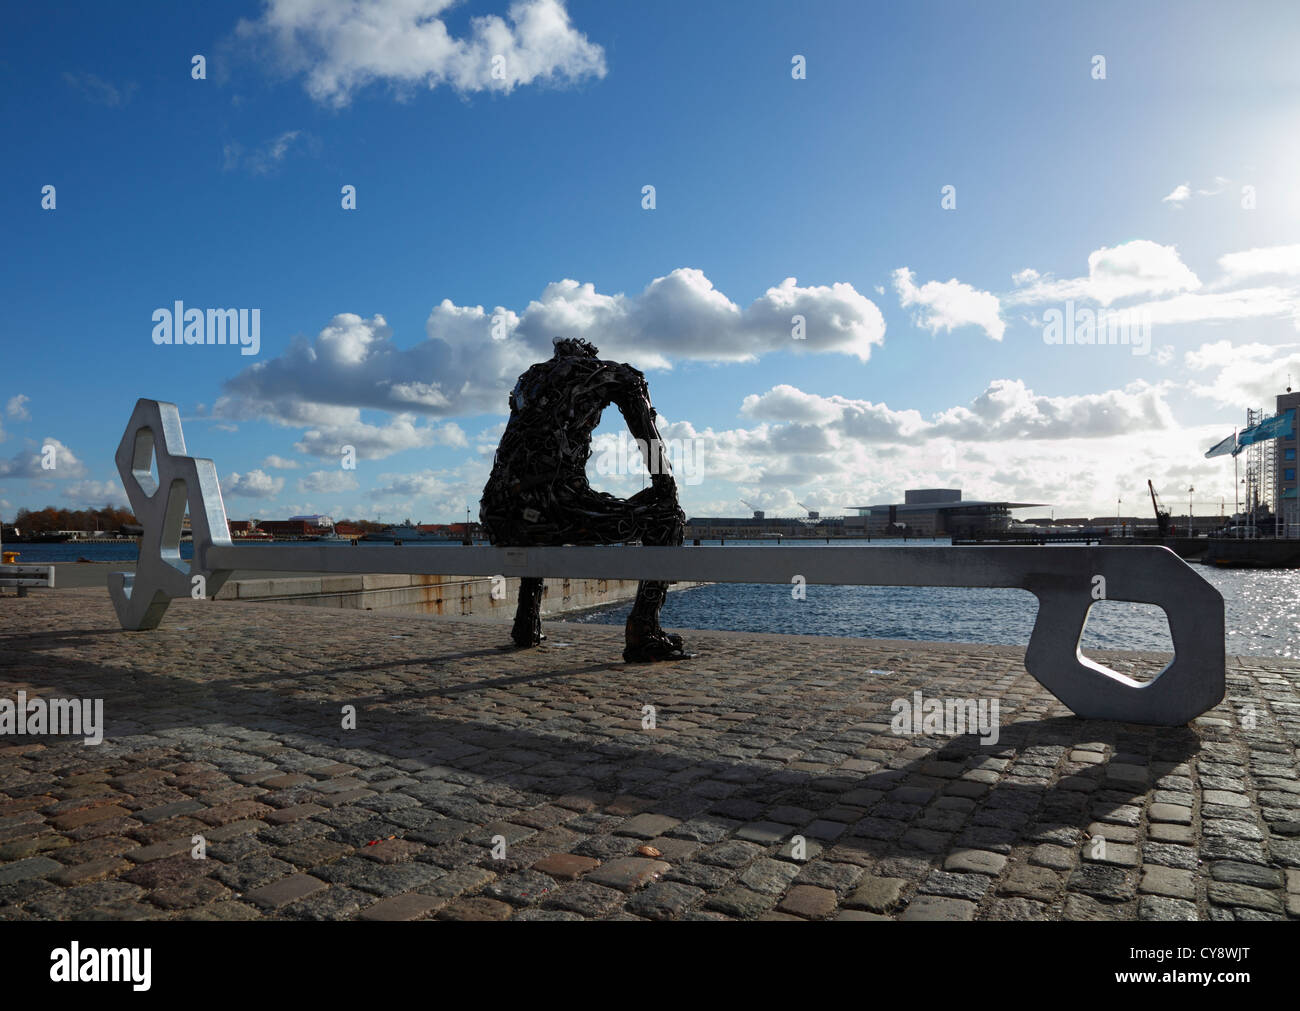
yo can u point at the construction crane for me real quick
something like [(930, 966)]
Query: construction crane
[(1162, 514), (758, 513), (813, 514)]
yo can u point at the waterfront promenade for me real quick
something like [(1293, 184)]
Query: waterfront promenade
[(485, 784)]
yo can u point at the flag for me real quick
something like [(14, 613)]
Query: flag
[(1276, 427), (1223, 448)]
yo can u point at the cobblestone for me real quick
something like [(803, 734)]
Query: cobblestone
[(929, 907), (240, 744), (809, 902)]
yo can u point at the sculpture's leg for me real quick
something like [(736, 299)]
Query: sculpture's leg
[(645, 641), (528, 615)]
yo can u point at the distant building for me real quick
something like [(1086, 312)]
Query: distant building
[(745, 528), (449, 530), (316, 520), (938, 512), (287, 528), (1288, 501), (298, 526)]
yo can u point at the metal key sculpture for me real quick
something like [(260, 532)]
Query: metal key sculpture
[(538, 493)]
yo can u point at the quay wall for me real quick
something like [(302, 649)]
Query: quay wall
[(451, 596)]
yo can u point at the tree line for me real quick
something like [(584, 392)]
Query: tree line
[(109, 519), (38, 521)]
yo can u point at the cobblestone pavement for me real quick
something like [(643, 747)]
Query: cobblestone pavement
[(226, 723)]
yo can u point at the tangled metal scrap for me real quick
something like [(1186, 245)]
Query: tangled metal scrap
[(538, 492)]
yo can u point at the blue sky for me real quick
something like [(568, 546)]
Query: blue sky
[(1165, 189)]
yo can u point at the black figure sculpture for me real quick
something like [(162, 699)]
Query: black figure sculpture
[(538, 492)]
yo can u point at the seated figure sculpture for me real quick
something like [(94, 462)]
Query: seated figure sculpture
[(538, 492)]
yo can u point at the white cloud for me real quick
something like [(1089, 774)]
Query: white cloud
[(842, 451), (340, 46), (95, 494), (1175, 296), (1006, 409), (451, 434), (459, 369), (1221, 353), (787, 403), (1076, 453), (1009, 410), (855, 451), (683, 316), (254, 484), (280, 463), (858, 419), (101, 92), (421, 484), (1270, 261), (327, 482), (441, 495), (1206, 307), (1182, 193), (374, 442), (1139, 267), (1242, 375), (353, 363), (947, 305), (486, 441), (27, 463), (16, 408), (264, 158)]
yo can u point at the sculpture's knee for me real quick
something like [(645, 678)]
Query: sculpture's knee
[(664, 531)]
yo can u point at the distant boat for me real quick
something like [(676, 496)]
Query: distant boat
[(410, 532), (251, 535)]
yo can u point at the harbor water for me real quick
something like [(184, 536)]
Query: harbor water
[(1261, 611)]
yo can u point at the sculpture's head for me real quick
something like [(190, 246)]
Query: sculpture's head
[(570, 347)]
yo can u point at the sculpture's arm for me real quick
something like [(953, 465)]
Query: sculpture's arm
[(632, 397)]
